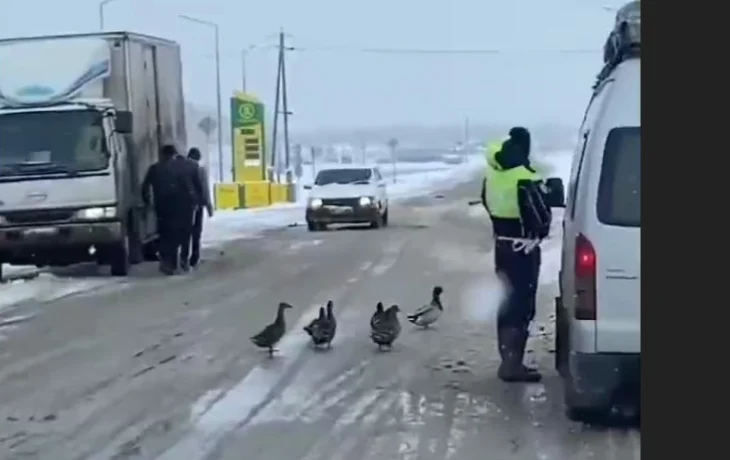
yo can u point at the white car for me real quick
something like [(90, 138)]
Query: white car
[(598, 312), (351, 195)]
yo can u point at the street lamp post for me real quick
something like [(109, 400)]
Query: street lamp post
[(102, 4), (214, 26), (244, 55)]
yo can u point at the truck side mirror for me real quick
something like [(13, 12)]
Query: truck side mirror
[(555, 195), (123, 122)]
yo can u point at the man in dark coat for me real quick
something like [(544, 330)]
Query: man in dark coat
[(194, 155), (174, 194), (187, 208)]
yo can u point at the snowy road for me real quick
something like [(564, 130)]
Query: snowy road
[(162, 368)]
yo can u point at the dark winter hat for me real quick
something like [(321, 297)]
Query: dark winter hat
[(520, 136), (168, 151), (194, 154)]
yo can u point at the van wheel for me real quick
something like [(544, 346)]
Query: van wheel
[(561, 344), (119, 258)]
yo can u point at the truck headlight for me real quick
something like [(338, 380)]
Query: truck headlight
[(315, 203), (365, 201), (97, 213)]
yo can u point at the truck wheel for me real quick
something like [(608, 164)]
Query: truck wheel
[(378, 222), (135, 244), (150, 250), (119, 258)]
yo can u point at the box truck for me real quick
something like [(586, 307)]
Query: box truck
[(82, 117)]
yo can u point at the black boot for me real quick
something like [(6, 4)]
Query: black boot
[(512, 349)]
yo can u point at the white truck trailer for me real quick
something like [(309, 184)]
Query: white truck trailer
[(82, 117)]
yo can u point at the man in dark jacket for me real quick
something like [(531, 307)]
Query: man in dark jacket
[(188, 207), (513, 194), (194, 155), (174, 193)]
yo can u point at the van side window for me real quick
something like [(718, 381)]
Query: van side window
[(573, 186), (619, 187)]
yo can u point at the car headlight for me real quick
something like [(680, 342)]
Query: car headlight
[(315, 203), (365, 201), (97, 213)]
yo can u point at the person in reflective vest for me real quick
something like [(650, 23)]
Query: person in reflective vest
[(514, 195)]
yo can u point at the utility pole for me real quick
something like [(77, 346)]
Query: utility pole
[(466, 139), (285, 106), (276, 105)]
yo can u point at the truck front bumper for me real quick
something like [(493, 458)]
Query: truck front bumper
[(57, 243)]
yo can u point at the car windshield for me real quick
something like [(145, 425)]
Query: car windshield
[(51, 142), (343, 176), (619, 189)]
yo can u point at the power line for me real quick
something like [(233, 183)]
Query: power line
[(438, 51)]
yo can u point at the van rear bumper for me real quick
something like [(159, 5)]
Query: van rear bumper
[(598, 377)]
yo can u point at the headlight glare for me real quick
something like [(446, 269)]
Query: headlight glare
[(97, 213), (365, 201), (315, 203)]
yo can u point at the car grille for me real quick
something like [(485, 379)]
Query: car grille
[(353, 202), (38, 217)]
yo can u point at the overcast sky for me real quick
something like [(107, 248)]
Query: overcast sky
[(332, 84)]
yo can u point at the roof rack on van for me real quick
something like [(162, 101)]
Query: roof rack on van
[(624, 41)]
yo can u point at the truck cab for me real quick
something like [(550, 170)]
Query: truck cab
[(76, 141)]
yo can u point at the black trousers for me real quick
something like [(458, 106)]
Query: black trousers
[(197, 231), (174, 227), (521, 271)]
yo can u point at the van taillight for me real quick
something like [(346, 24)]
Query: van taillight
[(585, 279)]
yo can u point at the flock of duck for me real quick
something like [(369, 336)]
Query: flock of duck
[(385, 326)]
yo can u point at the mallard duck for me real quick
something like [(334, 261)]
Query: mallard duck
[(376, 316), (322, 329), (272, 333), (429, 313), (386, 328)]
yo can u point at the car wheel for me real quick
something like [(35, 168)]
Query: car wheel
[(119, 258), (1, 271), (312, 226), (385, 217)]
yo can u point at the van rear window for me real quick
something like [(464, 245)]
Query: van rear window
[(619, 189)]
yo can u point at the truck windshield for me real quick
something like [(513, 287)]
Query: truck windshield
[(51, 142), (343, 176)]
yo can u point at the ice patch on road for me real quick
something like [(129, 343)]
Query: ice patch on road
[(45, 288)]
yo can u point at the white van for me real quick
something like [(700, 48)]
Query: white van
[(598, 312)]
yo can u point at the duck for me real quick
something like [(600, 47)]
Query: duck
[(429, 313), (386, 328), (379, 310), (272, 333), (322, 329)]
